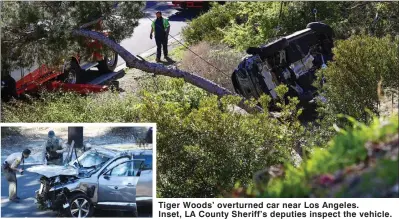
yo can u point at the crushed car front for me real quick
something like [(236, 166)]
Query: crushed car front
[(57, 182)]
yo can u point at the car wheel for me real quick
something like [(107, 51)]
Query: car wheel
[(80, 206), (72, 72), (111, 60), (108, 64), (8, 88)]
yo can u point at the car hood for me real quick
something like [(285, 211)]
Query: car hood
[(53, 170)]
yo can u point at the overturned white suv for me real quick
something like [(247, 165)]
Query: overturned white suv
[(98, 179)]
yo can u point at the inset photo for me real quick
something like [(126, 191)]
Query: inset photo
[(77, 170)]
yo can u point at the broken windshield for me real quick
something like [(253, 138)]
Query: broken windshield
[(90, 159)]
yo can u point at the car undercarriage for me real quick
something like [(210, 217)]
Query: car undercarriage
[(291, 60)]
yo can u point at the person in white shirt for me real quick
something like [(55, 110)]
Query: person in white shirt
[(10, 168)]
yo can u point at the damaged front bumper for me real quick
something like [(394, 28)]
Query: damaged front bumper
[(53, 197), (55, 200)]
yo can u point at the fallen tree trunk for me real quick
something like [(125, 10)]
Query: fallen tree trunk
[(159, 69)]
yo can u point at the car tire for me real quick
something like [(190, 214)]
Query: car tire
[(111, 62), (321, 28), (72, 72), (81, 200), (10, 88)]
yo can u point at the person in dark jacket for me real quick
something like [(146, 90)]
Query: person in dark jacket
[(161, 28)]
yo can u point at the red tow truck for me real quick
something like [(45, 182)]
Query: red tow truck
[(74, 75)]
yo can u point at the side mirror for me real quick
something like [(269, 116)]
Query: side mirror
[(106, 177)]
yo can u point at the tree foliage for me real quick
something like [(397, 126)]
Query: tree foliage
[(204, 145), (364, 67), (244, 24), (359, 162), (36, 31)]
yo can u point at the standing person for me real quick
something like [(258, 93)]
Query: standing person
[(161, 28), (53, 150), (10, 169)]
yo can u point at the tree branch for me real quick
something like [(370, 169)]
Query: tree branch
[(159, 69)]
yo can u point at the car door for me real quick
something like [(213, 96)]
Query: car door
[(144, 184), (117, 186)]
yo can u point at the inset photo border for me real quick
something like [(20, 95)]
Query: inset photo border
[(78, 169)]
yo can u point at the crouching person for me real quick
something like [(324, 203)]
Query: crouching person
[(10, 169)]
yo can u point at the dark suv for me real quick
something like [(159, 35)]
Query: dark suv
[(291, 60)]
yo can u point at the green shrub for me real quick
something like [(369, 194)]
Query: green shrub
[(208, 26), (10, 131), (358, 163), (203, 147), (361, 62), (245, 24), (202, 152), (70, 107)]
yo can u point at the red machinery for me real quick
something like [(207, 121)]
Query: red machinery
[(45, 77), (189, 4), (193, 4)]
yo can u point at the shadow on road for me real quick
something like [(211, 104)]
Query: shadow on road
[(27, 185), (168, 61)]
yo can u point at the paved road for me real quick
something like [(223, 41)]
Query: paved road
[(140, 41), (27, 185)]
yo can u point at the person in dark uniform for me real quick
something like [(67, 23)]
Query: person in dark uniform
[(53, 150), (10, 169), (161, 28)]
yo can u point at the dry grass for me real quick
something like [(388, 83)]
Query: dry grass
[(220, 56)]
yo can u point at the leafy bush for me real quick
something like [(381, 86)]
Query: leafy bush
[(245, 24), (70, 107), (215, 19), (358, 163), (10, 131), (203, 145), (219, 56), (361, 62), (202, 151)]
